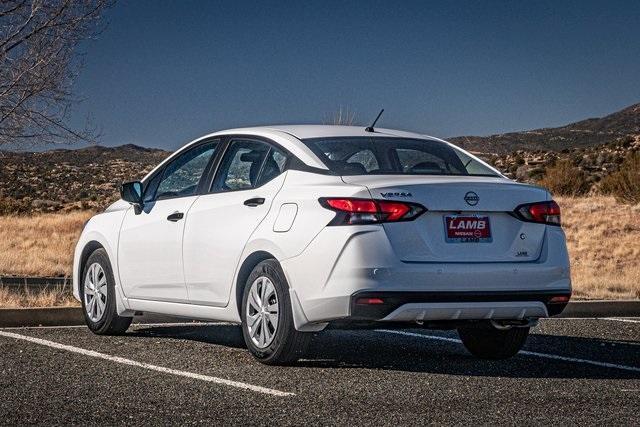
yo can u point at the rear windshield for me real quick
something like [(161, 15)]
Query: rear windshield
[(394, 156)]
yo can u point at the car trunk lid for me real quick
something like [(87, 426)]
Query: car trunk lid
[(469, 219)]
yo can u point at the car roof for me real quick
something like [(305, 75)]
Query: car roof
[(324, 131), (289, 137)]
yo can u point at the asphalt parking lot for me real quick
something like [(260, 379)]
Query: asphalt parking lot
[(573, 371)]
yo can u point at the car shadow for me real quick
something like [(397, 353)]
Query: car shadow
[(225, 335), (337, 349)]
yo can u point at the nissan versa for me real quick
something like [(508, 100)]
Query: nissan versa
[(288, 230)]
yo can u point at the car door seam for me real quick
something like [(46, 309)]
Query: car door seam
[(184, 228), (244, 247)]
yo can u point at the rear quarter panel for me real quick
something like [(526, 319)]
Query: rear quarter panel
[(302, 189)]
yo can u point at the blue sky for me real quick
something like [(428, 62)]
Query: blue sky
[(165, 72)]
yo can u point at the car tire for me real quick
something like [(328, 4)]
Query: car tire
[(280, 342), (489, 342), (98, 296)]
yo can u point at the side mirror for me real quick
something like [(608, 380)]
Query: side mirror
[(132, 192)]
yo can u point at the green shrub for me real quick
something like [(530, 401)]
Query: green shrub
[(624, 184), (564, 179)]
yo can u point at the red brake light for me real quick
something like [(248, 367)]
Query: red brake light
[(560, 299), (369, 301), (367, 211), (353, 205), (542, 212), (395, 210)]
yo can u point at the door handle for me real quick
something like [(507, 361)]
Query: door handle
[(256, 201), (175, 217)]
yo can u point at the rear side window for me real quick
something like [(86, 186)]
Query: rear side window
[(274, 165), (395, 156), (240, 166)]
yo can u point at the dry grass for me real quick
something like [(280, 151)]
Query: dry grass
[(603, 238), (39, 245), (604, 245), (50, 297)]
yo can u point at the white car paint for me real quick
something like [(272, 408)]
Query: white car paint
[(218, 227), (190, 268), (150, 252)]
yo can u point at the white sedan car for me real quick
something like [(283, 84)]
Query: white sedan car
[(288, 230)]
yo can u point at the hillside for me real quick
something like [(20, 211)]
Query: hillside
[(86, 178), (596, 161), (585, 133), (89, 178)]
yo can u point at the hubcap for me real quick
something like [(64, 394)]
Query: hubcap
[(95, 292), (262, 312)]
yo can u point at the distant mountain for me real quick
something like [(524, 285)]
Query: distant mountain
[(62, 179), (585, 133)]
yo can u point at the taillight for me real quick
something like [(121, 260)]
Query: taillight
[(369, 301), (368, 211), (560, 299), (541, 212)]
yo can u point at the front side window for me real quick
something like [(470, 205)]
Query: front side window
[(394, 156), (181, 177)]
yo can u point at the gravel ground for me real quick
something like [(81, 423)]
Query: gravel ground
[(348, 378)]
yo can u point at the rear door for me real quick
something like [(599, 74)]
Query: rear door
[(220, 223), (150, 244)]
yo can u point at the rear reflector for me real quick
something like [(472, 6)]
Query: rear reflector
[(368, 211), (541, 212), (560, 299), (369, 301)]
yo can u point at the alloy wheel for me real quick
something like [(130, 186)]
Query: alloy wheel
[(95, 292), (262, 312)]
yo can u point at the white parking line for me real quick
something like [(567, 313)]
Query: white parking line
[(162, 369), (183, 324), (522, 352), (621, 319), (133, 325), (616, 319)]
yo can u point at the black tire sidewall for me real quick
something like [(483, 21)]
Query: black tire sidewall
[(488, 342), (110, 313), (271, 270)]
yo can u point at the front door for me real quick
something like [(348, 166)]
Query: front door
[(150, 244), (220, 223)]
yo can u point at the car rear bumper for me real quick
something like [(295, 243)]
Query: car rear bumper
[(429, 306), (343, 262)]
